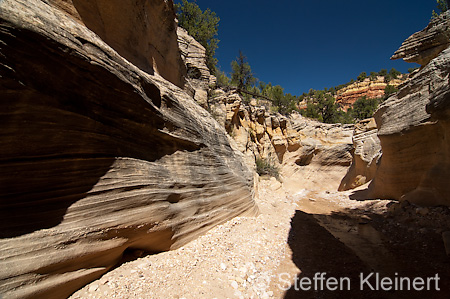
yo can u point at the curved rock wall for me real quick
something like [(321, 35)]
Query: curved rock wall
[(413, 128), (142, 31), (98, 157), (366, 155)]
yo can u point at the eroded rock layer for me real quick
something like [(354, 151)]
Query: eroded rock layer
[(371, 89), (307, 153), (366, 154), (423, 46), (413, 131), (98, 157), (198, 75)]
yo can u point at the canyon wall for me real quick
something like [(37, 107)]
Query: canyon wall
[(308, 154), (198, 77), (371, 89), (366, 155), (413, 125), (427, 44), (142, 31), (305, 153), (98, 156)]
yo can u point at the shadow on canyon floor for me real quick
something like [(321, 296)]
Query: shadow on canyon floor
[(343, 246)]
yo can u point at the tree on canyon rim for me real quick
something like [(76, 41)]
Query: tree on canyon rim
[(442, 6), (241, 74), (203, 26)]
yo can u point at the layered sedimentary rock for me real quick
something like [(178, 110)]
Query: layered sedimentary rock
[(322, 159), (198, 76), (366, 154), (141, 31), (371, 89), (423, 46), (413, 131), (97, 156), (309, 154)]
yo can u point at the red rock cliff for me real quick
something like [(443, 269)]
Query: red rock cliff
[(372, 89)]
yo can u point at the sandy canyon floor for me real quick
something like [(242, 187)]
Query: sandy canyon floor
[(282, 252)]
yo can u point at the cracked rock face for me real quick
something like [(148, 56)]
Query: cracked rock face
[(98, 156)]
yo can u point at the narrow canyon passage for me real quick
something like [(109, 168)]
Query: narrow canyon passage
[(297, 235), (132, 168)]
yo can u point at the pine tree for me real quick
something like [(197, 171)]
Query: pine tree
[(201, 25), (364, 108), (362, 76), (442, 6), (241, 74)]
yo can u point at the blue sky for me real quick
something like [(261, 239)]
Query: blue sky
[(315, 44)]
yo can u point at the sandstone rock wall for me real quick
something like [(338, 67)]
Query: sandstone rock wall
[(97, 156), (142, 31), (309, 154), (372, 89), (414, 164), (323, 158), (413, 128), (198, 76), (423, 46), (366, 155)]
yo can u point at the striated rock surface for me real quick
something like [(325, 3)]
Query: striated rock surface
[(198, 75), (97, 156), (142, 31), (423, 46), (372, 89), (366, 155), (413, 131)]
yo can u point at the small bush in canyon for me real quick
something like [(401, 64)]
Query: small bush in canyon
[(267, 167)]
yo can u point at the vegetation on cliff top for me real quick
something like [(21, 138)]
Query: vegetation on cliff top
[(242, 75), (201, 25), (320, 104), (442, 6)]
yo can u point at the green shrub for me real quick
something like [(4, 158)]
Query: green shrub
[(388, 91), (364, 108), (201, 25), (267, 167), (442, 6), (362, 76)]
